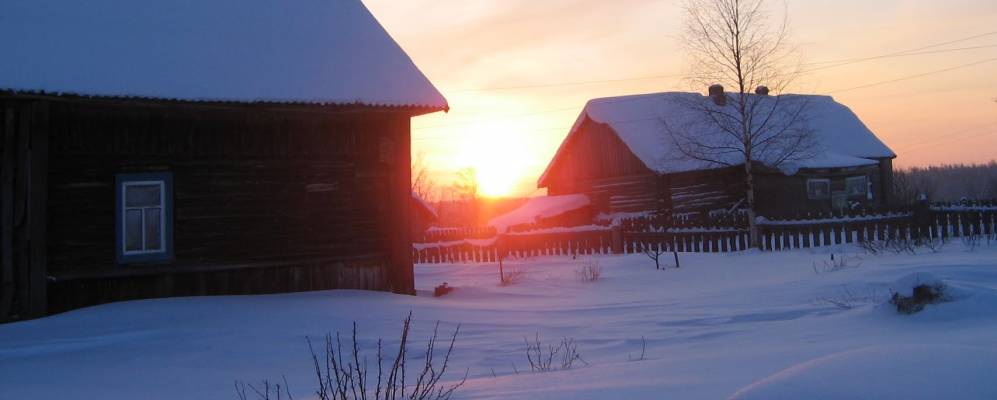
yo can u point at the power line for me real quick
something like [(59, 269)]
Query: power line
[(911, 52), (835, 64), (948, 136), (915, 76), (904, 52), (858, 60), (909, 77), (955, 140)]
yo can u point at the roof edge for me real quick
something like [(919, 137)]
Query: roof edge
[(413, 109)]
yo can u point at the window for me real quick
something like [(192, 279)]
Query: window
[(818, 189), (857, 186), (144, 217)]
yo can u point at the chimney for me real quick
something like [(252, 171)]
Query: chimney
[(762, 90), (717, 93)]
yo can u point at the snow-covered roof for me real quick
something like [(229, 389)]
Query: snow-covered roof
[(641, 121), (418, 201), (301, 51), (538, 208)]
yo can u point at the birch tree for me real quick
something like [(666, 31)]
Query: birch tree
[(735, 44)]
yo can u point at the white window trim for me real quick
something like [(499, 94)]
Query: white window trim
[(162, 217), (819, 180)]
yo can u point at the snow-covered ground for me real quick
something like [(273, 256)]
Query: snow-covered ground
[(751, 325)]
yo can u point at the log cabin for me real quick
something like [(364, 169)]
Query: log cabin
[(156, 149), (622, 153)]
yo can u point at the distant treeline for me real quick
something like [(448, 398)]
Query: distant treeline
[(948, 182)]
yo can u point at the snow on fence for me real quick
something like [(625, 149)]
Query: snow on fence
[(687, 240), (554, 242), (815, 231), (935, 224), (437, 234)]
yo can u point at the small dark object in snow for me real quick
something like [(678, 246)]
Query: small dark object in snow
[(442, 290), (922, 295)]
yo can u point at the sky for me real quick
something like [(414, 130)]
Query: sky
[(516, 73)]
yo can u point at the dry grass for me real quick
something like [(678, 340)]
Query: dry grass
[(513, 277), (589, 272)]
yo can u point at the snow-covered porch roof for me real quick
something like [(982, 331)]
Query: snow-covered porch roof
[(538, 208)]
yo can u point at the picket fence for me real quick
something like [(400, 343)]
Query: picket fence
[(636, 236)]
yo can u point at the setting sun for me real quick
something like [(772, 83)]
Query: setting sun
[(495, 152)]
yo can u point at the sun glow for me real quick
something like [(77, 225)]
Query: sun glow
[(495, 153)]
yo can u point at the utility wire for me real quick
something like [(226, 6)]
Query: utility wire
[(918, 49), (948, 136), (989, 60), (909, 77), (911, 52), (835, 64)]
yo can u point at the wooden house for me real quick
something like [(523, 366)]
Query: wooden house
[(423, 216), (621, 154), (155, 149)]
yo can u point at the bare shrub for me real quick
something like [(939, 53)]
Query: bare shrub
[(972, 241), (921, 296), (836, 264), (552, 357), (589, 272), (643, 349), (901, 245), (265, 391), (654, 252), (846, 299), (933, 244), (347, 375), (871, 246), (512, 277)]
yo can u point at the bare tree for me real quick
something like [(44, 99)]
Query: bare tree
[(654, 252), (733, 43), (465, 188), (422, 184)]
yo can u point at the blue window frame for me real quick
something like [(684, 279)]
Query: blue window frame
[(144, 217)]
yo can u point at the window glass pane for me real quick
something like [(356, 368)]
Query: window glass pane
[(142, 195), (153, 228), (856, 186), (818, 189), (133, 230)]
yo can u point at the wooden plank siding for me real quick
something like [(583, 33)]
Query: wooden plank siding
[(699, 192), (597, 163), (266, 198)]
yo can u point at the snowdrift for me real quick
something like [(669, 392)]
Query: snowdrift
[(907, 372)]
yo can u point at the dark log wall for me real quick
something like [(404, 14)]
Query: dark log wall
[(596, 162), (783, 196), (267, 199), (23, 195), (699, 192)]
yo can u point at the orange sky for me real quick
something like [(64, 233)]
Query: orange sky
[(502, 65)]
